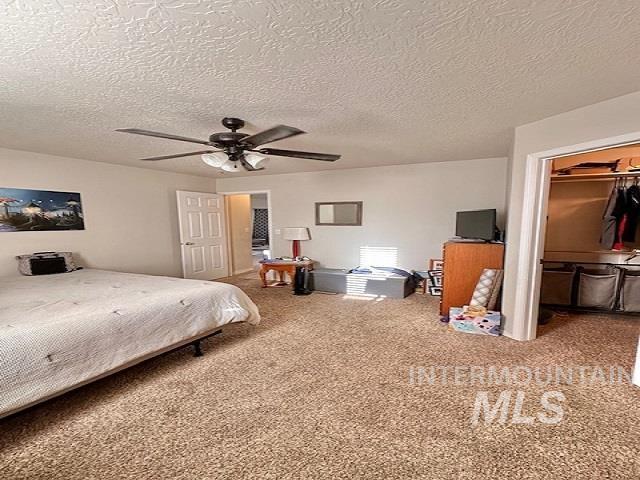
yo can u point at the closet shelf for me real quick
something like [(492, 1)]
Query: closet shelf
[(583, 177)]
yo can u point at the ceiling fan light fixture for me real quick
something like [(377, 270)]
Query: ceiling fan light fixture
[(216, 159), (232, 148), (256, 160), (229, 166)]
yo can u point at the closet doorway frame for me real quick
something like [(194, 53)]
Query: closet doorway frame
[(537, 182), (269, 214)]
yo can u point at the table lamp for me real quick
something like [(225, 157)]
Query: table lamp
[(296, 234)]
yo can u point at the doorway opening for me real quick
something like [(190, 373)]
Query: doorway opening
[(249, 230), (584, 247)]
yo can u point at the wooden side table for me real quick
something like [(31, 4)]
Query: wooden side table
[(282, 267)]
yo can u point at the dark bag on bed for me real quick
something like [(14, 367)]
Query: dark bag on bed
[(46, 263)]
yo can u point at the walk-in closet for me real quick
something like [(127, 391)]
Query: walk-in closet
[(592, 245)]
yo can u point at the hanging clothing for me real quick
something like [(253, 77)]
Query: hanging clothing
[(609, 222), (633, 213), (622, 223), (620, 213)]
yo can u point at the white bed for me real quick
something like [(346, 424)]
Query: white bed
[(58, 332)]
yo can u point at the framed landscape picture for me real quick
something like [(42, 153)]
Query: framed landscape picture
[(23, 210)]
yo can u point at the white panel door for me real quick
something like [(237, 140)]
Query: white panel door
[(202, 235)]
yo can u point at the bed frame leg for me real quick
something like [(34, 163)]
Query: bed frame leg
[(196, 345)]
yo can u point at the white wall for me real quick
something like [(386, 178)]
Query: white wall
[(130, 213), (408, 207), (616, 117)]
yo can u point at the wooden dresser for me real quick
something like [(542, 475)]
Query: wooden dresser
[(463, 264)]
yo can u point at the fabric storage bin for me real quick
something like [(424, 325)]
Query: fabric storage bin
[(598, 288), (335, 280), (630, 291), (556, 286)]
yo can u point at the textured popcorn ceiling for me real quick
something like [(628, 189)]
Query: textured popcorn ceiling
[(381, 82)]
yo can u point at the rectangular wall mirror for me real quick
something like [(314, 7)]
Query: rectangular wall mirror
[(339, 213)]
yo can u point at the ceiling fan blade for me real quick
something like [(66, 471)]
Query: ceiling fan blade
[(326, 157), (274, 134), (177, 155), (149, 133)]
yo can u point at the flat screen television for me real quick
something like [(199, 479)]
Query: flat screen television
[(476, 224)]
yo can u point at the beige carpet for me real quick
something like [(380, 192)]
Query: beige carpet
[(321, 390)]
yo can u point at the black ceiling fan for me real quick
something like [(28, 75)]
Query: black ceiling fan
[(234, 144)]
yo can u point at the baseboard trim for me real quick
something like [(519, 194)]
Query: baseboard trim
[(240, 272)]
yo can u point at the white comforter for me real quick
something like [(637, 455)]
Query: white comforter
[(58, 331)]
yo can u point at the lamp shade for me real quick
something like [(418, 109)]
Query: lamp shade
[(255, 160), (296, 233), (216, 159), (229, 166)]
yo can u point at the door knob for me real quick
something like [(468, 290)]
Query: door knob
[(189, 243)]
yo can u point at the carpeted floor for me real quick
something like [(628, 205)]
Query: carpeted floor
[(321, 390)]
